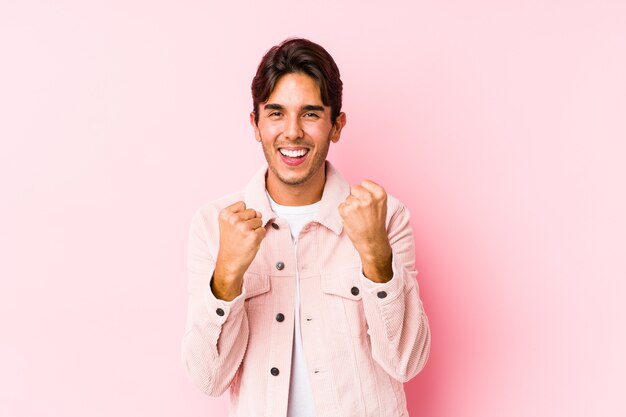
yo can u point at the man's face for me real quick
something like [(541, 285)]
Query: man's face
[(295, 130)]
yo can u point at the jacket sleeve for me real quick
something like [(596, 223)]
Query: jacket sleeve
[(397, 324), (216, 331)]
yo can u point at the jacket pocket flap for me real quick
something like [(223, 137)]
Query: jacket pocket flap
[(255, 284), (344, 283)]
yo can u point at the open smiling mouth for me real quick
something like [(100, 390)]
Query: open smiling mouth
[(293, 156)]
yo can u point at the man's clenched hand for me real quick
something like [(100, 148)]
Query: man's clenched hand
[(240, 238), (364, 213)]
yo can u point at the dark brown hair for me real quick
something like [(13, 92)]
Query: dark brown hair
[(298, 55)]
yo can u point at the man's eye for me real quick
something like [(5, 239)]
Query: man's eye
[(311, 115), (275, 113)]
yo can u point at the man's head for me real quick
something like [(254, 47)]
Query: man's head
[(297, 55), (297, 113)]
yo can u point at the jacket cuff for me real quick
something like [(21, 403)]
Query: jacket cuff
[(384, 291), (219, 310)]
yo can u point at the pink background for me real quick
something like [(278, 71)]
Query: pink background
[(500, 124)]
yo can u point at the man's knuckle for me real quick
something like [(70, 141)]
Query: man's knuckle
[(227, 218)]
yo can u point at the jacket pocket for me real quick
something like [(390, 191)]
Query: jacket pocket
[(343, 302), (258, 301), (257, 289), (256, 284)]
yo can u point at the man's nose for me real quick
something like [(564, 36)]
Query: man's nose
[(293, 129)]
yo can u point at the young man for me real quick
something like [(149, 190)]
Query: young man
[(303, 297)]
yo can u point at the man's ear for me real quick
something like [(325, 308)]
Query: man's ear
[(339, 124), (257, 136)]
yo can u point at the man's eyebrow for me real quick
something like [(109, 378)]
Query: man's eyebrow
[(273, 106), (308, 107), (312, 107)]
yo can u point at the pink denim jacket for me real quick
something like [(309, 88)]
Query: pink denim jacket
[(361, 339)]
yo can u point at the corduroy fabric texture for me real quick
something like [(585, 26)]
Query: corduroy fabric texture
[(361, 339)]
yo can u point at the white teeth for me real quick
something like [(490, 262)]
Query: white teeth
[(294, 154)]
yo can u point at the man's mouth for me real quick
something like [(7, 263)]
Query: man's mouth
[(293, 156), (293, 153)]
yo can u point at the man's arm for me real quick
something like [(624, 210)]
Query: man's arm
[(398, 326), (216, 331)]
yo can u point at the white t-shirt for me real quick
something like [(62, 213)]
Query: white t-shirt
[(300, 396)]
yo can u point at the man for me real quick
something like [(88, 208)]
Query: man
[(303, 297)]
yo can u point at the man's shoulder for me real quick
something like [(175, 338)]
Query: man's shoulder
[(397, 212), (394, 204)]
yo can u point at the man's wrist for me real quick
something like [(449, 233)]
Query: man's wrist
[(376, 253), (378, 267), (226, 290)]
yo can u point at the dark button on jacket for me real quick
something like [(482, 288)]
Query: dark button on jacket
[(354, 291), (280, 265), (219, 312), (280, 317), (274, 371), (381, 294)]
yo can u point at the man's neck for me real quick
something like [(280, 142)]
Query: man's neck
[(296, 195)]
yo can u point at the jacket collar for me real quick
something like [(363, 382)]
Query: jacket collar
[(336, 189)]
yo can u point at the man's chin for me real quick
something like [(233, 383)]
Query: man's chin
[(293, 180), (287, 176), (295, 176)]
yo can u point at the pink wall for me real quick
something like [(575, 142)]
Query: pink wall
[(500, 124)]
